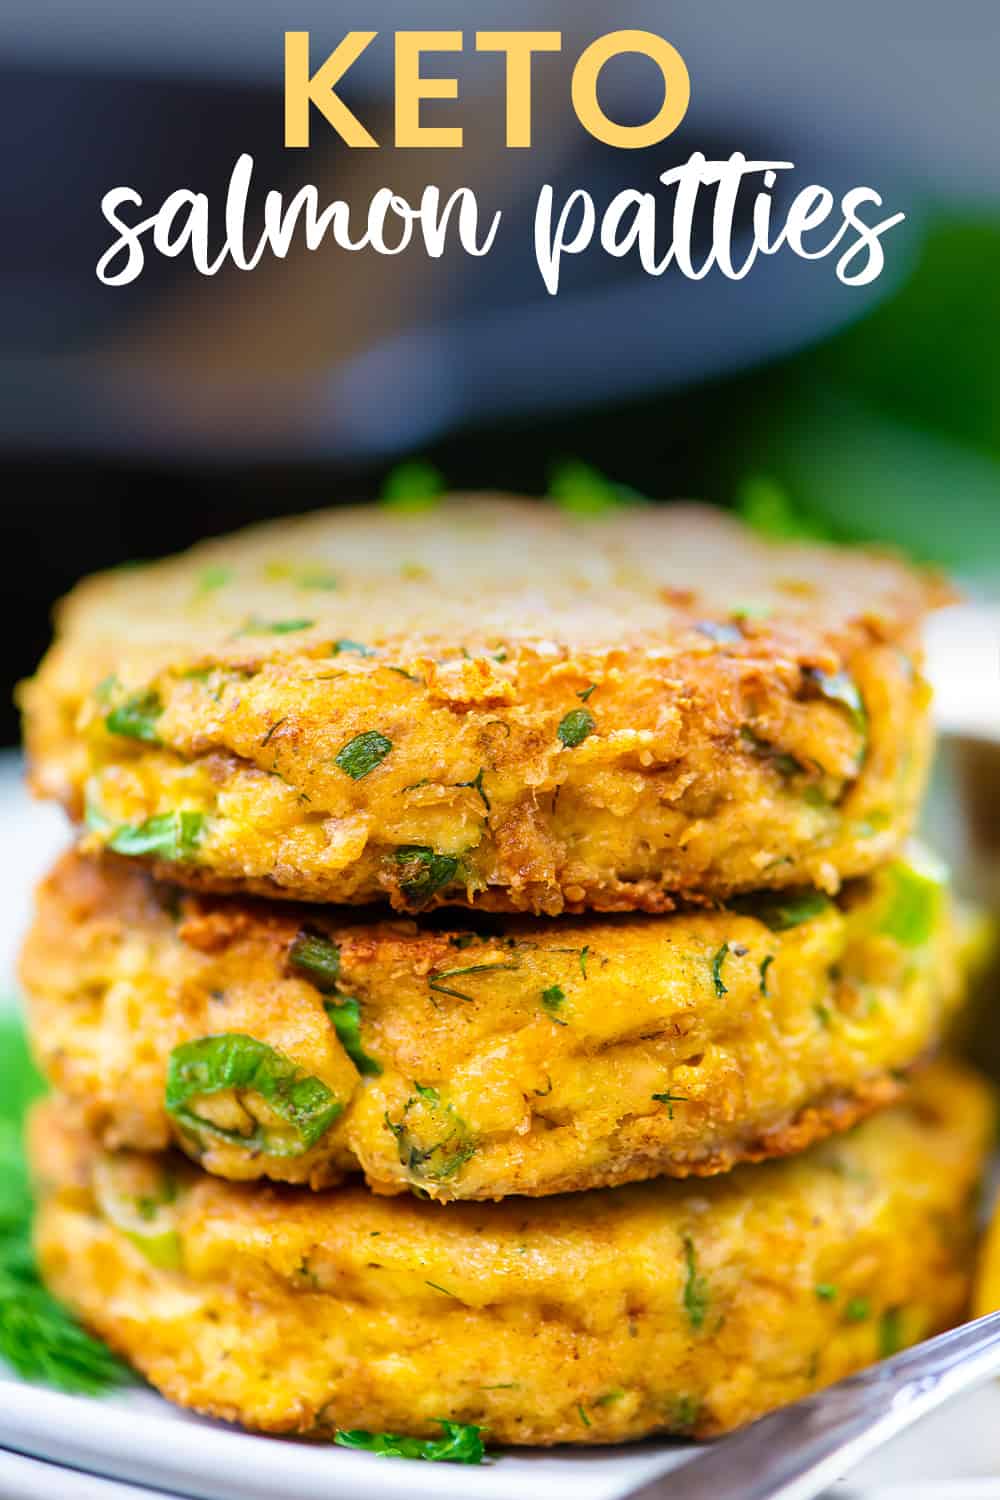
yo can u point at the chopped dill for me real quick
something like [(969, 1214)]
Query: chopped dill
[(435, 977)]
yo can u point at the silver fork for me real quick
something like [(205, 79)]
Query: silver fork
[(793, 1454)]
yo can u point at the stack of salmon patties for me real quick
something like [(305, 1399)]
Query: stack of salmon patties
[(492, 984)]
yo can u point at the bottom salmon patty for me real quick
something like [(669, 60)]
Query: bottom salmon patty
[(688, 1308)]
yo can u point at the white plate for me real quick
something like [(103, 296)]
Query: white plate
[(136, 1436)]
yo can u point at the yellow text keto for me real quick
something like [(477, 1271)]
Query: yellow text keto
[(313, 87)]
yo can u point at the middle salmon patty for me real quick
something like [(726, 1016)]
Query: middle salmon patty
[(481, 1058)]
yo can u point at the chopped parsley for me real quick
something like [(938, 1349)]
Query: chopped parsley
[(461, 1443), (357, 647), (825, 1291), (575, 727), (254, 625), (585, 693), (136, 718), (363, 753), (765, 965), (318, 957), (435, 977), (413, 485), (670, 1099), (345, 1017), (553, 999), (582, 490), (696, 1296), (235, 1063), (583, 1416), (718, 959), (823, 1015), (171, 836), (858, 1310), (423, 871)]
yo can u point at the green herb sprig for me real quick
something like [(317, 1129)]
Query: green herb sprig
[(39, 1339), (461, 1443)]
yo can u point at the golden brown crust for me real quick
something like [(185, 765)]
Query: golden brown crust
[(600, 714), (522, 1057), (591, 1318)]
